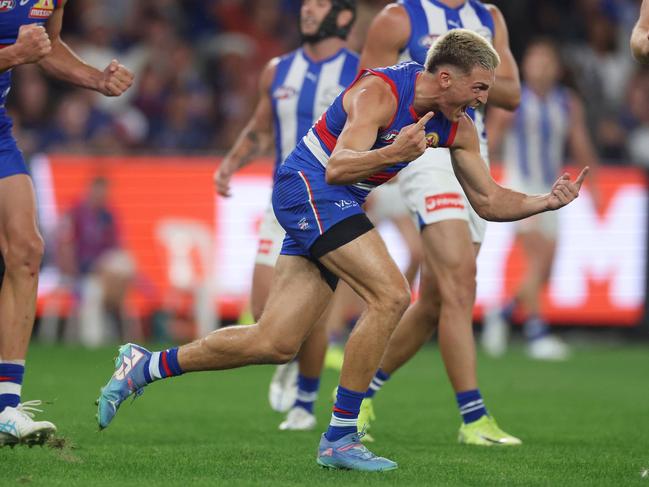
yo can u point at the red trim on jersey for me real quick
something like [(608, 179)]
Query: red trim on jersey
[(393, 86), (381, 177), (7, 379), (165, 366), (323, 132), (311, 202), (451, 136)]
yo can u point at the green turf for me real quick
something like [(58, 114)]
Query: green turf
[(585, 422)]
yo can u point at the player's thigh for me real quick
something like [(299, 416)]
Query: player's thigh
[(262, 278), (367, 266), (18, 213), (298, 297)]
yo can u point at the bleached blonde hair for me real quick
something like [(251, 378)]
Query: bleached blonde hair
[(463, 49)]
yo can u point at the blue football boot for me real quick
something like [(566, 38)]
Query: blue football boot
[(349, 453), (128, 379)]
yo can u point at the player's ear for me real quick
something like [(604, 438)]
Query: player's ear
[(444, 77), (345, 17)]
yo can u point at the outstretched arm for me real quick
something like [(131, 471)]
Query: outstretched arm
[(63, 64), (492, 201), (370, 105), (640, 35), (255, 136), (506, 91)]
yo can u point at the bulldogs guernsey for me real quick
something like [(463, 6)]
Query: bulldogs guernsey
[(302, 90), (305, 205), (13, 14), (430, 19)]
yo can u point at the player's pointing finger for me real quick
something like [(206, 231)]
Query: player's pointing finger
[(424, 120), (582, 176)]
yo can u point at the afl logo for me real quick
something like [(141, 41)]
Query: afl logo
[(432, 139), (6, 5), (427, 40), (284, 92)]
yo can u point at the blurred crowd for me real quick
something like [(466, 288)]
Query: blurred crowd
[(197, 63)]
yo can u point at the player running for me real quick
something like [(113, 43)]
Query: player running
[(294, 91), (451, 230), (30, 33), (384, 120)]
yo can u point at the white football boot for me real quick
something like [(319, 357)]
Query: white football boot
[(18, 426), (283, 387), (495, 333), (298, 419), (548, 347)]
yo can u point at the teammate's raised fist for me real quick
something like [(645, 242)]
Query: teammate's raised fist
[(32, 44), (411, 141), (115, 80)]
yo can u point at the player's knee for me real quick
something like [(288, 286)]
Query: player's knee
[(394, 299), (281, 350), (24, 254), (458, 287)]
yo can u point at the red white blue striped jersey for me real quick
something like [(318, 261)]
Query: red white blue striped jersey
[(316, 147), (302, 89), (535, 143), (430, 19), (13, 14)]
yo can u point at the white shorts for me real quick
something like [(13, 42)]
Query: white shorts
[(271, 237), (432, 192), (386, 203), (546, 223)]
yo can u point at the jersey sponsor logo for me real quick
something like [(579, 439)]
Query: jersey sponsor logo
[(7, 5), (345, 204), (265, 246), (432, 139), (42, 10), (444, 201), (427, 40), (284, 93)]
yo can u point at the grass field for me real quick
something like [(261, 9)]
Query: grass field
[(585, 422)]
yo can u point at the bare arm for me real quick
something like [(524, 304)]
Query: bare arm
[(506, 91), (31, 45), (370, 105), (63, 64), (492, 201), (255, 136), (640, 35), (388, 34)]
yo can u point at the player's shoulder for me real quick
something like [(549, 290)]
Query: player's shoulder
[(393, 16)]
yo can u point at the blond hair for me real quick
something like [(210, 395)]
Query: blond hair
[(463, 49)]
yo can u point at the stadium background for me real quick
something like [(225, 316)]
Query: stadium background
[(197, 64)]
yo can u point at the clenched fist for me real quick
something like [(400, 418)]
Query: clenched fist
[(115, 80), (564, 190), (411, 140), (32, 44)]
